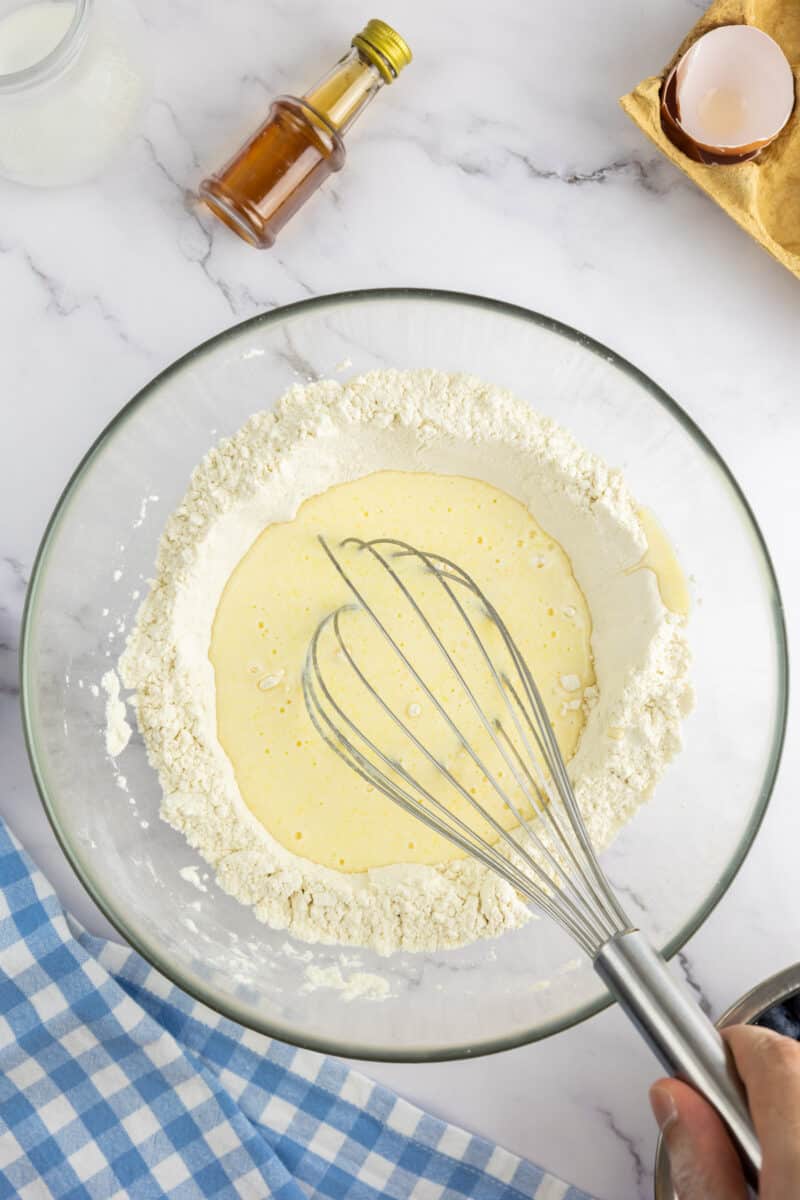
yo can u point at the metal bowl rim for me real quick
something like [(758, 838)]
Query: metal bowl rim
[(744, 1011)]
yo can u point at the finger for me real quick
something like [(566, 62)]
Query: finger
[(702, 1159), (769, 1065)]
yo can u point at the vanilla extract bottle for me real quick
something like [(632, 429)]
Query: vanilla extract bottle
[(301, 142)]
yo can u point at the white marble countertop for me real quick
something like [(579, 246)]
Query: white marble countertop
[(499, 164)]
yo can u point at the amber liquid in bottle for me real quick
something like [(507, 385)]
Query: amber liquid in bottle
[(300, 143), (273, 175)]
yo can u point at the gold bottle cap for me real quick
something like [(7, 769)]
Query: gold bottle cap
[(384, 47)]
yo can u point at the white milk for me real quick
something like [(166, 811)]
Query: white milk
[(31, 32), (62, 122)]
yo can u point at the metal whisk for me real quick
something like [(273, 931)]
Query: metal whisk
[(482, 712)]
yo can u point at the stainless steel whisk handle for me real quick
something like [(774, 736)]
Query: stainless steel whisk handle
[(689, 1046)]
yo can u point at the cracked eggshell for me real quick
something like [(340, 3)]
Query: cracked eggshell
[(682, 140), (731, 94)]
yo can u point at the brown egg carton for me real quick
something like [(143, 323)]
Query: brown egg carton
[(761, 193)]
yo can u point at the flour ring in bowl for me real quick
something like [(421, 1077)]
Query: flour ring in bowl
[(328, 433)]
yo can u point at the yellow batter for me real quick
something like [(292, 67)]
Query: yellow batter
[(661, 559), (302, 793)]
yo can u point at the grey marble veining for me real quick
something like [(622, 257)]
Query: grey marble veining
[(499, 164)]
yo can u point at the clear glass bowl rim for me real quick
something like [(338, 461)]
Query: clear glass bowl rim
[(661, 397)]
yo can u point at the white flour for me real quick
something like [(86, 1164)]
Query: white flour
[(118, 731), (328, 433), (361, 985)]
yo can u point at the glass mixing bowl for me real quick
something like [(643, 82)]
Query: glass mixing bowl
[(671, 864)]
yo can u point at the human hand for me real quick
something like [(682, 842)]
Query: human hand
[(702, 1158)]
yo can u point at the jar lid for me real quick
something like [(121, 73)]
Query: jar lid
[(384, 47)]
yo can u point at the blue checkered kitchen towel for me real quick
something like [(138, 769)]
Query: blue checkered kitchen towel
[(114, 1083)]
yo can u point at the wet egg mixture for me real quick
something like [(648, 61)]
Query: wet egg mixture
[(301, 792)]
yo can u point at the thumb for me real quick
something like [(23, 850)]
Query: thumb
[(702, 1159)]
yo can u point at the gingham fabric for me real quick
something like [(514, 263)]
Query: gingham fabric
[(114, 1083)]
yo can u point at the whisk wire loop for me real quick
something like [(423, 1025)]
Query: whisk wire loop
[(476, 844), (533, 779), (560, 874), (594, 928), (472, 843)]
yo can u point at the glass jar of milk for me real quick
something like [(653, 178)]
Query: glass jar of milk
[(72, 85)]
